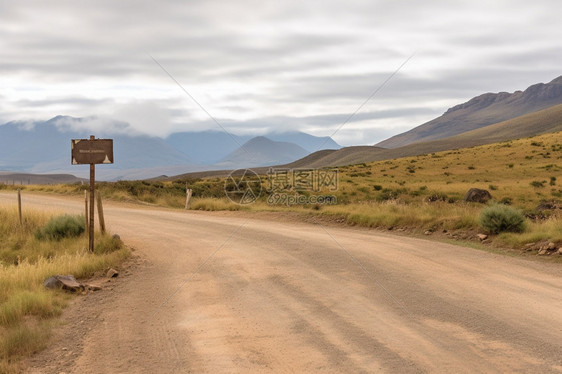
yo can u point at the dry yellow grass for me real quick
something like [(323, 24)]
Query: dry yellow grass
[(426, 192), (26, 307)]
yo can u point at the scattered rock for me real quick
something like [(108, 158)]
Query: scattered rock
[(551, 246), (560, 251), (70, 283), (542, 252), (477, 195), (549, 205), (93, 287), (427, 232), (52, 283), (65, 282), (482, 237), (112, 273), (116, 237)]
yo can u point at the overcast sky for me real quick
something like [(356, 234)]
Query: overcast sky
[(258, 66)]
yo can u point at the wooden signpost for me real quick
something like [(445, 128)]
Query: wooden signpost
[(92, 151)]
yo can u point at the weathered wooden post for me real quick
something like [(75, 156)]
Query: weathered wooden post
[(19, 206), (188, 193), (92, 191), (92, 151), (86, 222), (100, 213)]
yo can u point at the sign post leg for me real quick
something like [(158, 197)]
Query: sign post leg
[(91, 229), (86, 221)]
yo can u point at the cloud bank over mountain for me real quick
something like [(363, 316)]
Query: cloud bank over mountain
[(259, 67)]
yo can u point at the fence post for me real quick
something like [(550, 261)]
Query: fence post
[(86, 211), (19, 206), (100, 213), (188, 193)]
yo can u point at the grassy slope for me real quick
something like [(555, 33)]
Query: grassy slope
[(507, 169), (426, 192), (544, 121)]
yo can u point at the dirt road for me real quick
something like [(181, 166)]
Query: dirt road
[(218, 293)]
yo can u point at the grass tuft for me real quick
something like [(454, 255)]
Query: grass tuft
[(502, 218), (61, 227)]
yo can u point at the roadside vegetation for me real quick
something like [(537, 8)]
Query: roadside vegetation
[(419, 194), (40, 247)]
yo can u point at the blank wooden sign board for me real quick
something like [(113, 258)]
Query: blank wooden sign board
[(91, 151)]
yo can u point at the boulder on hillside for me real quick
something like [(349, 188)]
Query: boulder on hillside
[(477, 195), (549, 205)]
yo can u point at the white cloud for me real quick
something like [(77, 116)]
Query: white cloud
[(144, 116), (249, 61)]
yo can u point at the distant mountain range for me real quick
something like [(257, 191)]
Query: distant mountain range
[(44, 147), (260, 151), (481, 111), (41, 147), (541, 122), (485, 119), (212, 147)]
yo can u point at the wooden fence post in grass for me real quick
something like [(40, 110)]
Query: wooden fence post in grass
[(19, 206), (86, 211), (100, 213), (188, 193)]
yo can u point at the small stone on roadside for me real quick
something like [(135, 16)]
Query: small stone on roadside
[(65, 282), (112, 273), (542, 252), (427, 232), (52, 283), (551, 246), (482, 236)]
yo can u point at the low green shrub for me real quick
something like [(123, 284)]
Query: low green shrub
[(500, 218), (537, 184), (65, 226)]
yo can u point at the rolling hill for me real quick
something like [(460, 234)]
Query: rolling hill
[(25, 178), (541, 122), (481, 111)]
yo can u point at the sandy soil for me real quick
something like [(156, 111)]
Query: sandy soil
[(212, 293)]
